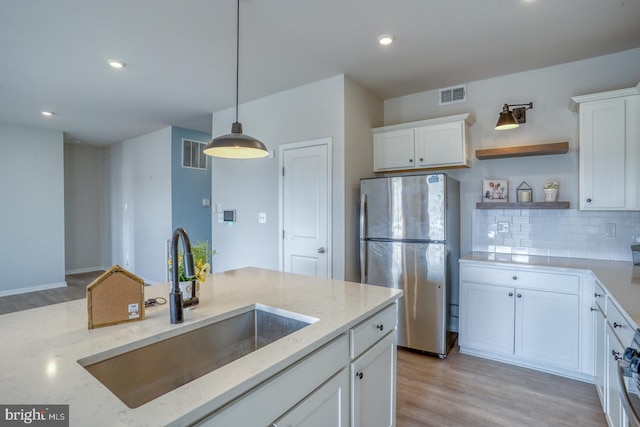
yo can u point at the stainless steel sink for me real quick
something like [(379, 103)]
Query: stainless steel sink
[(140, 375)]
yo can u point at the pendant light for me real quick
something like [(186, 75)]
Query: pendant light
[(236, 145)]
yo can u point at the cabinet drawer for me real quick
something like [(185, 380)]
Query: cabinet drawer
[(600, 296), (623, 329), (371, 330), (544, 281)]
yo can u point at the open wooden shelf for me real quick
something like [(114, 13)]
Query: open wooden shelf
[(523, 151), (522, 205)]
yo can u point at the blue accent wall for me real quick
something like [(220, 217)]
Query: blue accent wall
[(188, 188)]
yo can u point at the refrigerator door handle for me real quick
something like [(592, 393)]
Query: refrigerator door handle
[(363, 247)]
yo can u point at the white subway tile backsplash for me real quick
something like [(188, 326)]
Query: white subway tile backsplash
[(562, 232)]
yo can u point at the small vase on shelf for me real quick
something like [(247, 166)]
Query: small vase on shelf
[(551, 191)]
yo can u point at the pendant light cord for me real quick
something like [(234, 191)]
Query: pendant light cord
[(237, 55)]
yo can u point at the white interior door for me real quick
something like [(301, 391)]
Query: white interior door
[(306, 246)]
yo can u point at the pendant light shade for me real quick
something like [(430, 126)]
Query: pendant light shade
[(236, 145)]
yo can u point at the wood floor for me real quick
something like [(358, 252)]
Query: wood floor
[(460, 390), (464, 390), (76, 289)]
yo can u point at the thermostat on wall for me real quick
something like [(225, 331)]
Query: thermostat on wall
[(229, 216)]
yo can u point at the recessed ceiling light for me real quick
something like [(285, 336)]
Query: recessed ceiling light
[(386, 39), (47, 113), (116, 63)]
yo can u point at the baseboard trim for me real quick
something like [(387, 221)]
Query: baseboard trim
[(32, 289), (83, 270)]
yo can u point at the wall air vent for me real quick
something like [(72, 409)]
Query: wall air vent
[(192, 155), (451, 95)]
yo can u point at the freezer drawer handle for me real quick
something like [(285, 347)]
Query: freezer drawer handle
[(617, 325), (597, 295), (380, 327)]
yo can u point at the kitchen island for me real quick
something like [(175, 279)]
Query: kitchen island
[(41, 347)]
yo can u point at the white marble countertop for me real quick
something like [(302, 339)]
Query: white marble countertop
[(41, 346), (620, 278)]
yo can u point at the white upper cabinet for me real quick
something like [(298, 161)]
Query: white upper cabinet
[(435, 143), (609, 135)]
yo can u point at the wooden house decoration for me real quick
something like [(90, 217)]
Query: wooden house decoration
[(117, 296)]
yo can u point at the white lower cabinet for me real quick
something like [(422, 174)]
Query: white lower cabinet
[(613, 333), (373, 385), (535, 318), (349, 381), (327, 406), (614, 411), (547, 327), (600, 355)]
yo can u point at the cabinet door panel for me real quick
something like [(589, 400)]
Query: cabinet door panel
[(327, 406), (548, 327), (600, 356), (440, 145), (486, 317), (373, 385), (393, 150), (602, 155), (614, 412)]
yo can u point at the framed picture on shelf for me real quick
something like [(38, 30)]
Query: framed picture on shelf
[(495, 190)]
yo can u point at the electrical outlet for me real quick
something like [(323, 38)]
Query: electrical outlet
[(610, 230), (262, 217), (503, 227)]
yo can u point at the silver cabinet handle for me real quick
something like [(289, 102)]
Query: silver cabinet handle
[(321, 250)]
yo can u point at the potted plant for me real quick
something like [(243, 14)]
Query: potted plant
[(551, 191), (202, 255)]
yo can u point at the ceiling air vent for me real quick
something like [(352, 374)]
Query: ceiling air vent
[(451, 95)]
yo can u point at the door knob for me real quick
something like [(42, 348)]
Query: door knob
[(321, 250)]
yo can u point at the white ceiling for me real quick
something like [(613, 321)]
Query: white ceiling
[(180, 54)]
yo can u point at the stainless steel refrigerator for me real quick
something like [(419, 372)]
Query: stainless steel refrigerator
[(410, 240)]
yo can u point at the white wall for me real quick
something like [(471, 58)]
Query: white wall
[(32, 209), (550, 89), (363, 111), (83, 208), (251, 186), (141, 204)]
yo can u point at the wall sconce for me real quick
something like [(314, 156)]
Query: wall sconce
[(511, 119)]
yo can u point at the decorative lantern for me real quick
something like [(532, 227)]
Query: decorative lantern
[(523, 192)]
